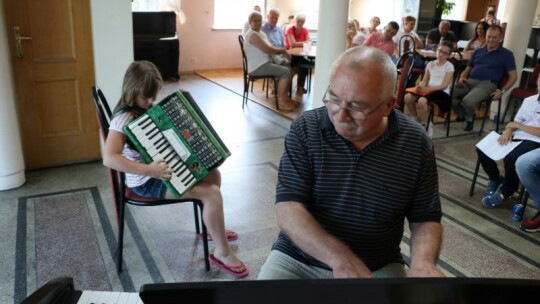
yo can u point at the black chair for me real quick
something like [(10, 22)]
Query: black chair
[(122, 195), (248, 79), (520, 93)]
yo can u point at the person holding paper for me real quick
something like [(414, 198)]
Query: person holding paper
[(524, 128)]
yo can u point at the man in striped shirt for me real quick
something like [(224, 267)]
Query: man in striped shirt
[(351, 173)]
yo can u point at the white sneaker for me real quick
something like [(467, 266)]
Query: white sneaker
[(430, 130)]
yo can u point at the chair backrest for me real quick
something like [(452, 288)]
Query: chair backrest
[(104, 116), (531, 83), (244, 58), (406, 44), (405, 62), (103, 111)]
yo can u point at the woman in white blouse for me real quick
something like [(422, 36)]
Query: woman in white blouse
[(259, 53)]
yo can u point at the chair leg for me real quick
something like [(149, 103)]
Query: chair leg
[(510, 100), (196, 213), (499, 118), (475, 176), (121, 224), (275, 86), (430, 115), (204, 232), (486, 116), (447, 122)]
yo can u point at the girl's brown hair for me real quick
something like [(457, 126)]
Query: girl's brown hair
[(141, 78)]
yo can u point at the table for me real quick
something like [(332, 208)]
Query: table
[(299, 51), (307, 62)]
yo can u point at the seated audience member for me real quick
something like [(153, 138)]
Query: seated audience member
[(479, 39), (258, 50), (484, 71), (247, 26), (407, 29), (524, 128), (443, 32), (490, 17), (528, 171), (360, 36), (290, 22), (141, 84), (274, 32), (383, 41), (357, 24), (352, 30), (374, 22), (436, 81), (345, 187), (295, 36)]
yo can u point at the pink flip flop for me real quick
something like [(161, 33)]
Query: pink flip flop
[(231, 236), (229, 269)]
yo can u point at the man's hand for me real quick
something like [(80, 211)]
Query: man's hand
[(425, 270), (349, 266), (497, 95)]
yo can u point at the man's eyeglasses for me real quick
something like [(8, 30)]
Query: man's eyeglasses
[(443, 52), (354, 110)]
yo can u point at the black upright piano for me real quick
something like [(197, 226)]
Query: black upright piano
[(155, 40)]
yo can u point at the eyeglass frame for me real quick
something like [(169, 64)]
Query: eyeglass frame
[(350, 111), (444, 52)]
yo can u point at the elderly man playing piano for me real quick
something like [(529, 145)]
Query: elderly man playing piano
[(352, 171)]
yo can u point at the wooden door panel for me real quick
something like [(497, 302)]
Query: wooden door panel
[(59, 21), (54, 80)]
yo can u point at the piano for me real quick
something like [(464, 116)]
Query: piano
[(341, 291), (61, 291), (155, 40)]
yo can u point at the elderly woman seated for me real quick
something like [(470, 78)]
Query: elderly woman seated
[(260, 53)]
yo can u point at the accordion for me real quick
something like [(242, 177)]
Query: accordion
[(176, 130)]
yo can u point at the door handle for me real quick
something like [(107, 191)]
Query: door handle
[(18, 43)]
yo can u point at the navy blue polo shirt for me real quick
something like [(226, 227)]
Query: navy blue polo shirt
[(492, 65), (361, 197)]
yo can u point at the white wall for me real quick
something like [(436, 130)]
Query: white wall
[(113, 44)]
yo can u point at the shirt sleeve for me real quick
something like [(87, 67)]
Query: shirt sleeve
[(120, 121)]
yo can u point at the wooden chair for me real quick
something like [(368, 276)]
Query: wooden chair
[(405, 65), (122, 195), (248, 79)]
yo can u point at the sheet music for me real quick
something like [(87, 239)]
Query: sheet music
[(491, 147)]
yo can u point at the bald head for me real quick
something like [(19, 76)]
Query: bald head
[(368, 60)]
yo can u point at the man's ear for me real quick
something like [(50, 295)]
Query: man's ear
[(389, 106)]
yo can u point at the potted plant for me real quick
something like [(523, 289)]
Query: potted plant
[(445, 7)]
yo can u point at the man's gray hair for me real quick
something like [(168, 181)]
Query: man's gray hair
[(446, 22), (360, 57)]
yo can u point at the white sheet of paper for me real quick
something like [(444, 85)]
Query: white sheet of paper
[(491, 147)]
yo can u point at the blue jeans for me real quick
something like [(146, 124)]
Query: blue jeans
[(528, 170), (154, 188)]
